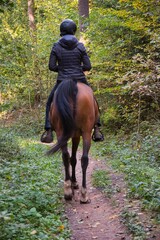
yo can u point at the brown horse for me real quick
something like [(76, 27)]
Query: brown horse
[(73, 114)]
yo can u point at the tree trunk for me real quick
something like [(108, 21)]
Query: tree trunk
[(31, 15), (37, 83), (83, 6)]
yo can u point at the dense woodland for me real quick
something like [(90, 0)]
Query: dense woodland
[(122, 38)]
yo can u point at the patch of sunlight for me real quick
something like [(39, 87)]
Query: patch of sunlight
[(3, 114)]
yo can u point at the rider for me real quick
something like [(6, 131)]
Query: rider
[(69, 59)]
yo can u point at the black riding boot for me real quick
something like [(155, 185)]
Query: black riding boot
[(97, 134), (47, 136)]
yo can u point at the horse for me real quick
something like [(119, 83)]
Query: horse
[(73, 114)]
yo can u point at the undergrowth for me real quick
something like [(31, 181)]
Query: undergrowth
[(131, 220), (138, 157), (30, 188)]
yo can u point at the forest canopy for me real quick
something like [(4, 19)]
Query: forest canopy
[(122, 38)]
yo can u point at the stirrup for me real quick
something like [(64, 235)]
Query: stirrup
[(98, 139)]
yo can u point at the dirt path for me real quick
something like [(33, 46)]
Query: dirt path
[(98, 220), (101, 218)]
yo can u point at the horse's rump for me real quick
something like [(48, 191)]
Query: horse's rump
[(73, 111), (86, 108)]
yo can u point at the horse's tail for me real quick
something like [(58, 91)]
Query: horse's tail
[(65, 102)]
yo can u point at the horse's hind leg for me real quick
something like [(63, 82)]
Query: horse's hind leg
[(75, 143), (68, 193), (84, 164)]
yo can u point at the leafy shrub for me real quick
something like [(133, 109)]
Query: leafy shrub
[(31, 189)]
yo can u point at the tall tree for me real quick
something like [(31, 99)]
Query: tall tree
[(32, 27), (83, 6), (31, 15)]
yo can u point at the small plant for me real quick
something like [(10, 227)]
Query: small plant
[(102, 181), (131, 220)]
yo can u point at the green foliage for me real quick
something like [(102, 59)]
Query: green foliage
[(131, 220), (102, 181), (123, 43), (30, 199), (106, 3), (139, 159), (124, 50), (25, 78), (110, 118)]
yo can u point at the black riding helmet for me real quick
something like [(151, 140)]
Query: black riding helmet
[(68, 26)]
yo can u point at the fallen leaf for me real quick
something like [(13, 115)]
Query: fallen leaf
[(61, 227), (96, 224), (113, 216), (33, 232)]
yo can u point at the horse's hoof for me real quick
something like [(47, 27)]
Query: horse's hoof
[(68, 193), (84, 196), (75, 185), (85, 202), (68, 197)]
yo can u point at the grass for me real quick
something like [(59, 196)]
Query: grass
[(31, 205)]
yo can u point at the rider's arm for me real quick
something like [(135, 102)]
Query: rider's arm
[(53, 60), (86, 64)]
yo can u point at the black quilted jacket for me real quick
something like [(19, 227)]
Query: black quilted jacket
[(69, 58)]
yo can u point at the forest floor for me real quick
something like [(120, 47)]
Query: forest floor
[(101, 219)]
